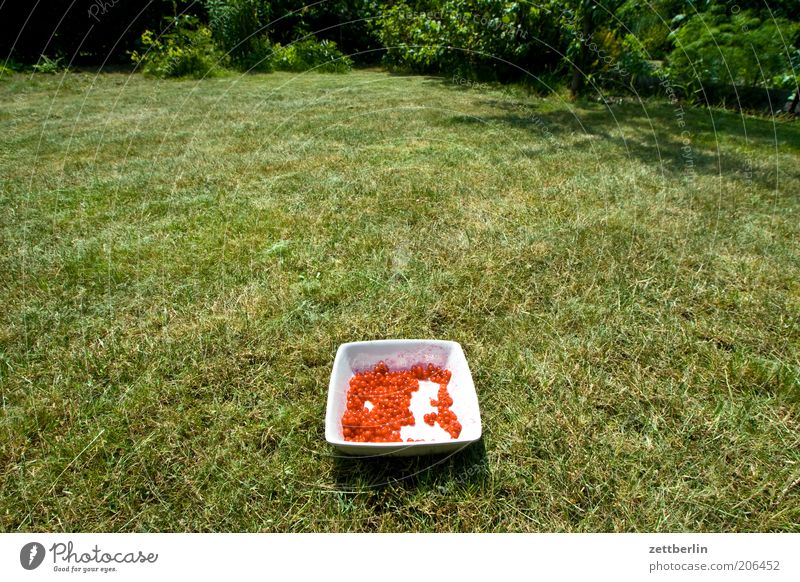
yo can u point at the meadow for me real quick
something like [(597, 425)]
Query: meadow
[(179, 261)]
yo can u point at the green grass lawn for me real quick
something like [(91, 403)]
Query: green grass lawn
[(180, 260)]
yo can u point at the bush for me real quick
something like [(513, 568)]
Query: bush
[(309, 55), (9, 68), (238, 27), (610, 60), (488, 38), (187, 51), (259, 56), (50, 66), (790, 77), (719, 49)]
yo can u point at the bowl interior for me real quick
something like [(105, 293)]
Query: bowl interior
[(402, 354)]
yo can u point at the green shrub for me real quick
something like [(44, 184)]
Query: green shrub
[(9, 68), (789, 78), (259, 56), (485, 38), (310, 55), (413, 40), (633, 60), (187, 51), (50, 66), (238, 27), (715, 48)]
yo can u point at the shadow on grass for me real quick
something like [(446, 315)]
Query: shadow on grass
[(464, 466), (680, 140)]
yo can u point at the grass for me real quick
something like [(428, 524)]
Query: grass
[(179, 261)]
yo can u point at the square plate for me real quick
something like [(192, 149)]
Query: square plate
[(401, 354)]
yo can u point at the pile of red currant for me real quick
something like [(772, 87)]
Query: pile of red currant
[(446, 418), (390, 395)]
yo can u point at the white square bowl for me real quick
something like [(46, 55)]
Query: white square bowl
[(401, 354)]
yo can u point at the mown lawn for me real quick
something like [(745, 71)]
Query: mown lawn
[(180, 260)]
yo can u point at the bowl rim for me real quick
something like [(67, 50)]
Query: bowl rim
[(329, 420)]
